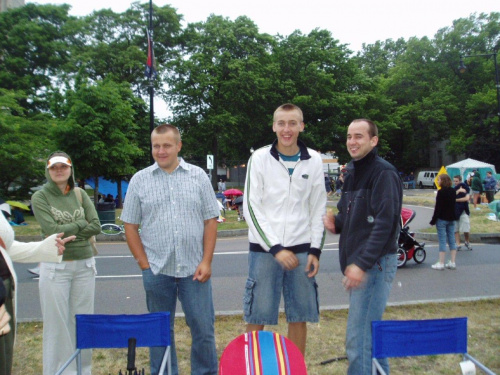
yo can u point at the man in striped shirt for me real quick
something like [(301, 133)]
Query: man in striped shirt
[(175, 205)]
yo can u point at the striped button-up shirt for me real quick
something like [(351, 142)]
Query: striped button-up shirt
[(171, 209)]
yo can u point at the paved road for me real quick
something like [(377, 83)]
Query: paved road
[(119, 284)]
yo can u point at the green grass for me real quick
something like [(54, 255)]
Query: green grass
[(33, 228), (325, 340), (232, 222), (479, 222)]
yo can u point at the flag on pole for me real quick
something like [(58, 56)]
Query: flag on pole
[(151, 64)]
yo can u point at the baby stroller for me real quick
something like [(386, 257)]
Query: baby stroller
[(408, 247)]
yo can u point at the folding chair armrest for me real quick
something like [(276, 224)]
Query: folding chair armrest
[(376, 366), (479, 364), (73, 356)]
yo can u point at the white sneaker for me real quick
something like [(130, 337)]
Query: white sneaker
[(468, 246), (459, 248), (438, 266), (35, 271), (451, 266)]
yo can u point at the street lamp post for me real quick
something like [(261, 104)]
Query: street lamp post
[(462, 68), (151, 79)]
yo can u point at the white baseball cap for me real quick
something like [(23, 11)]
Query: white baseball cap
[(58, 159)]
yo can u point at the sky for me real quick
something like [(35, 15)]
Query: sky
[(351, 22)]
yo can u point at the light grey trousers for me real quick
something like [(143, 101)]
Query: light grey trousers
[(66, 289)]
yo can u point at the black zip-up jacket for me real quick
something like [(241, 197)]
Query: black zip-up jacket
[(445, 205), (369, 212)]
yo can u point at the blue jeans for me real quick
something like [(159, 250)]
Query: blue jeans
[(267, 280), (196, 300), (446, 233), (366, 304)]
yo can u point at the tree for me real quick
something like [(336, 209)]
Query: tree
[(421, 94), (99, 131), (421, 101), (378, 58), (315, 72), (114, 45), (478, 128), (23, 147), (33, 48), (219, 90)]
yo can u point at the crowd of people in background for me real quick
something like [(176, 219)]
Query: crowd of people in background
[(108, 198), (479, 188)]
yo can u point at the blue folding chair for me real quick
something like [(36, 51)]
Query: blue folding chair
[(406, 338), (114, 331)]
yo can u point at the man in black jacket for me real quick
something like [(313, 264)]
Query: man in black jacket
[(369, 223), (462, 213)]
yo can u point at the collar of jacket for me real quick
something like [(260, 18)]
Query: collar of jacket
[(304, 154), (356, 165)]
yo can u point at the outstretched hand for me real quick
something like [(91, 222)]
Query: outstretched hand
[(61, 242)]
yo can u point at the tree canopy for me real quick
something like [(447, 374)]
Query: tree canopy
[(78, 84)]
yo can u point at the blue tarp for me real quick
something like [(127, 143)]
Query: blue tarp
[(108, 187)]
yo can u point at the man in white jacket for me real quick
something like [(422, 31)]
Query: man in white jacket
[(284, 203)]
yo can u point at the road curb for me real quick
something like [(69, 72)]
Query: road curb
[(233, 233), (121, 237), (486, 238)]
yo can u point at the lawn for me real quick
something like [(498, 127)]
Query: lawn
[(479, 222), (325, 341), (33, 228)]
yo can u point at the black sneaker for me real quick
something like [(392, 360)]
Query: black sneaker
[(468, 246)]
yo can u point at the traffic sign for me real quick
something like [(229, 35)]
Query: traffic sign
[(210, 162)]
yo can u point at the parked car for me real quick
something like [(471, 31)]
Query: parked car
[(426, 179)]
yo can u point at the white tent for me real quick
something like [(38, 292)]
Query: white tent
[(464, 167)]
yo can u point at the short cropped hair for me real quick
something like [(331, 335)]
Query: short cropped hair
[(372, 128), (445, 180), (458, 177), (289, 107), (165, 128)]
